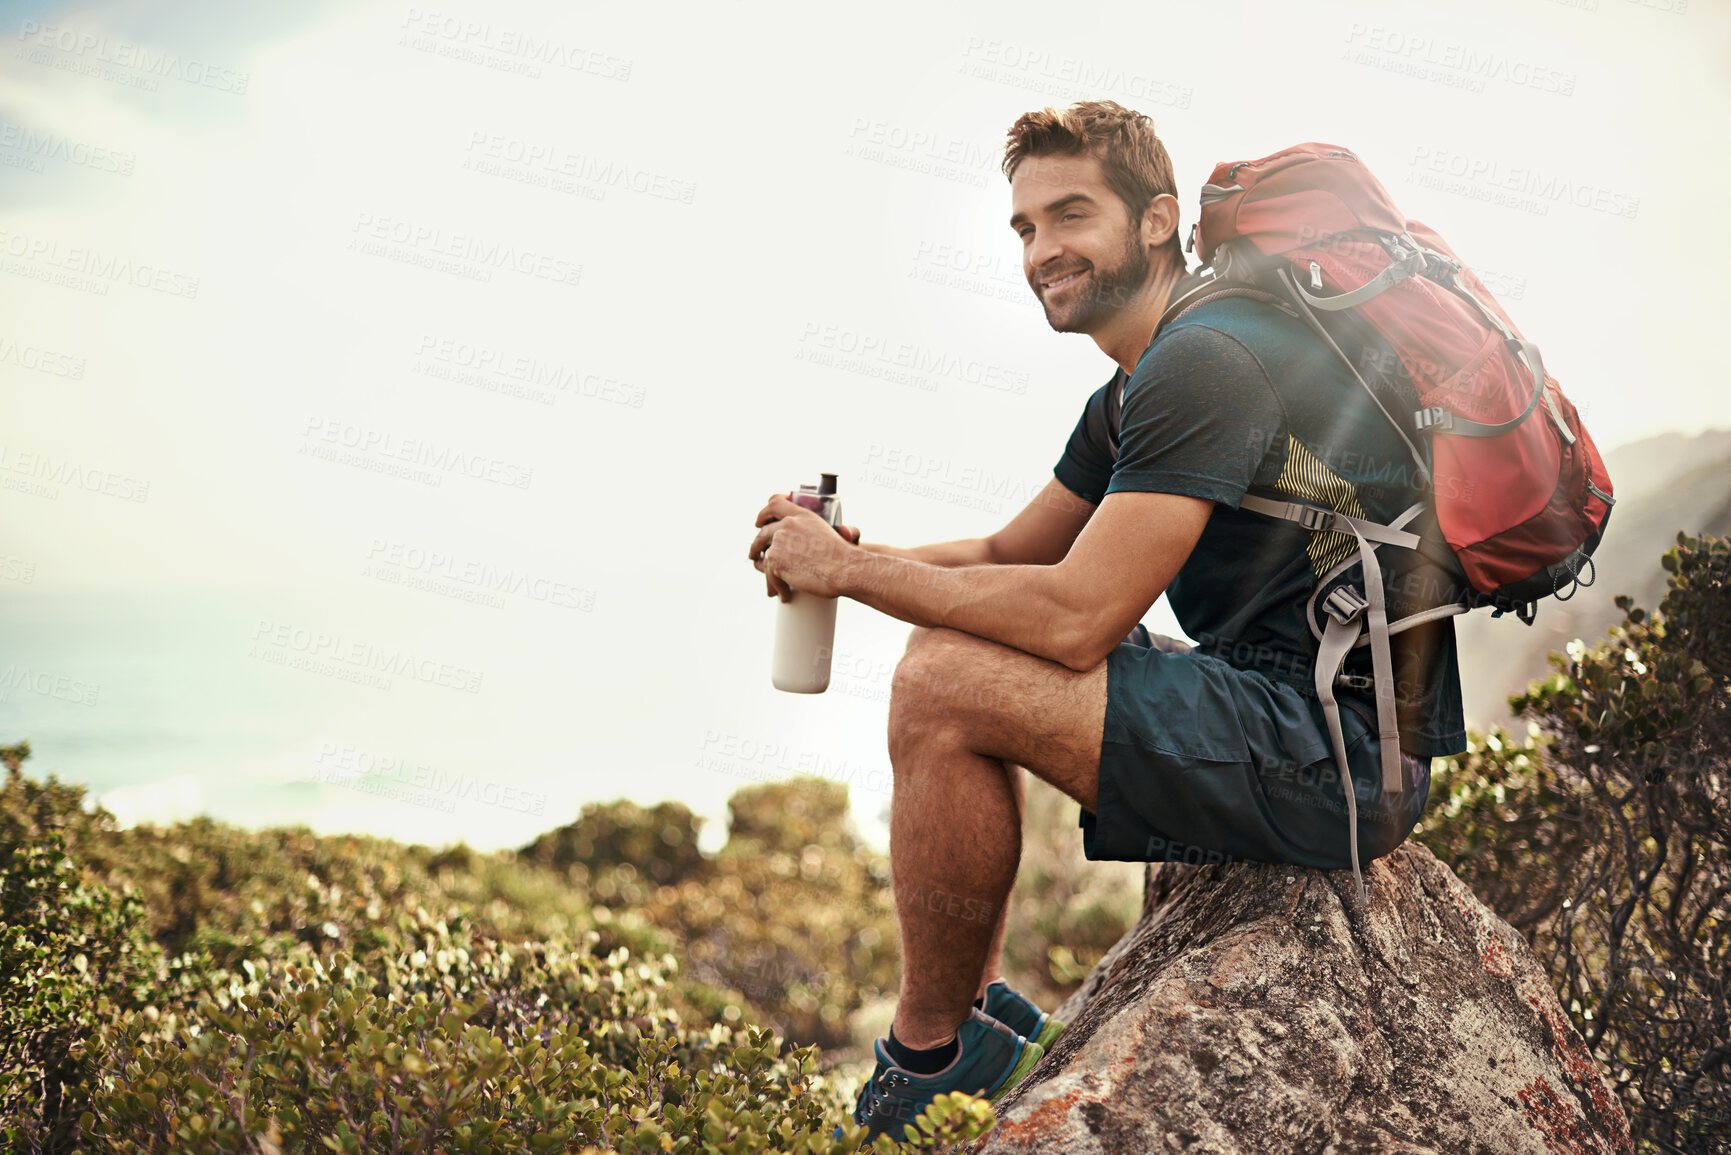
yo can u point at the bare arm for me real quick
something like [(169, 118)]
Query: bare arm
[(1072, 612), (1041, 534)]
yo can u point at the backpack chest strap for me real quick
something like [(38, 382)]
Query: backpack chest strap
[(1322, 520)]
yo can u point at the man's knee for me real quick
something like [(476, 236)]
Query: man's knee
[(930, 684), (919, 676)]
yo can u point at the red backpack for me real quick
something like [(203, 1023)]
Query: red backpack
[(1520, 493)]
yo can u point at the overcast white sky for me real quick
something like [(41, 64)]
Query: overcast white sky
[(235, 238)]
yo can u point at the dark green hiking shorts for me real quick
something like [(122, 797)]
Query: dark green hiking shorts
[(1204, 762)]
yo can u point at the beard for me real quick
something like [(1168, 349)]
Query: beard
[(1102, 291)]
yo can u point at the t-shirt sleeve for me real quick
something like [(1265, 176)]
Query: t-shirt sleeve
[(1086, 466), (1199, 415)]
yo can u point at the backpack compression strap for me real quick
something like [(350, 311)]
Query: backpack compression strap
[(1349, 613)]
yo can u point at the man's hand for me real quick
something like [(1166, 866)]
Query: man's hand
[(795, 549)]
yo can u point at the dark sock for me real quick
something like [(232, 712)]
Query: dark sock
[(921, 1062)]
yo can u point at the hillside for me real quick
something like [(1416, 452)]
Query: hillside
[(1663, 484)]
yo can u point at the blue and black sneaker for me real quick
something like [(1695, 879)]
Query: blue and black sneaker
[(1016, 1012), (990, 1059)]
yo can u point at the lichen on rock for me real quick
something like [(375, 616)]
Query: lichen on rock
[(1263, 1009)]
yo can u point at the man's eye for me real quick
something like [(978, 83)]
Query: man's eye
[(1072, 216)]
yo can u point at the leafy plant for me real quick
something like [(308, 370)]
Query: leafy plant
[(1605, 838), (207, 989)]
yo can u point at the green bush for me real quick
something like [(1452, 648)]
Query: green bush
[(462, 1045), (658, 842), (207, 989), (1065, 912), (1604, 836), (794, 925), (71, 952)]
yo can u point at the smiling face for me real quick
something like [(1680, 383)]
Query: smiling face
[(1082, 254)]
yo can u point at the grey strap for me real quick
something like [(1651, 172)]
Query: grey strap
[(1439, 416), (1219, 192), (1322, 520), (1337, 639), (1381, 662), (1466, 427), (1434, 614), (1396, 272), (1341, 635), (1418, 458)]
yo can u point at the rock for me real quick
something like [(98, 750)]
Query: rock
[(1261, 1009)]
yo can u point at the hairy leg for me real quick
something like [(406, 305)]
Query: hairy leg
[(995, 952), (1018, 777), (963, 713)]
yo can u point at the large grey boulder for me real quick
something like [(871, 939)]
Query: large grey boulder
[(1262, 1009)]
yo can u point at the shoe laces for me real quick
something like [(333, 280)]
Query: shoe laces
[(876, 1092)]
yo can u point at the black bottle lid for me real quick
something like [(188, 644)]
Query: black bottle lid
[(827, 485)]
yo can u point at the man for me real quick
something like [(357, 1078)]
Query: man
[(1022, 659)]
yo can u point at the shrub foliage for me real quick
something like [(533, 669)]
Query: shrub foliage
[(205, 989), (1604, 836)]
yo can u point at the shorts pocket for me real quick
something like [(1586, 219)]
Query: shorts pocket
[(1180, 704)]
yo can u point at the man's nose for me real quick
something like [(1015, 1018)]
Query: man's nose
[(1042, 251)]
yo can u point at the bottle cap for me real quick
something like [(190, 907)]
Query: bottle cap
[(827, 485)]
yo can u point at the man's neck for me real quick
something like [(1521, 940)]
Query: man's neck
[(1129, 332)]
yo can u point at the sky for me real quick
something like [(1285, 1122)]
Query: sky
[(465, 341)]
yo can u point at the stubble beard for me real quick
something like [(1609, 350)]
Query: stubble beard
[(1107, 291)]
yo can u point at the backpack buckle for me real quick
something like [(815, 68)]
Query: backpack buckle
[(1345, 604), (1436, 417), (1355, 681), (1314, 519)]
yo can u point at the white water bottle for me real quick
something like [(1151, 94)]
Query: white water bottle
[(805, 624)]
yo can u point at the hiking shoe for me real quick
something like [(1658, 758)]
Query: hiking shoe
[(990, 1059), (1015, 1011)]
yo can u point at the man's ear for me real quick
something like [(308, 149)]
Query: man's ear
[(1160, 220)]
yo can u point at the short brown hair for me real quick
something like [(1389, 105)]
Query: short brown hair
[(1134, 161)]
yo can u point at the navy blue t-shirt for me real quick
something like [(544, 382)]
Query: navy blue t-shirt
[(1236, 397)]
